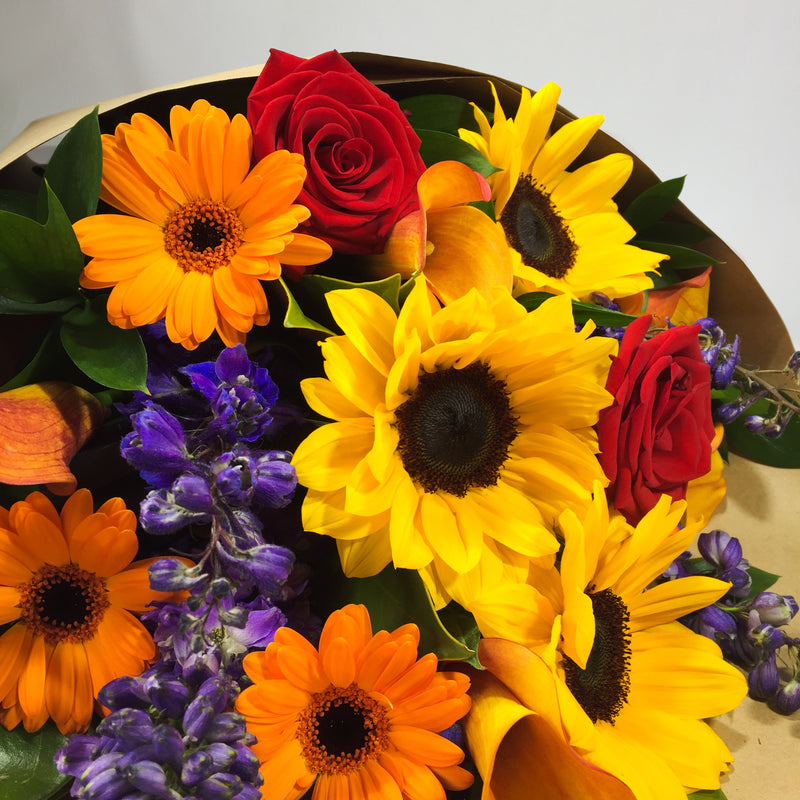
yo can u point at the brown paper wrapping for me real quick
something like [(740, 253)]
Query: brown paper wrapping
[(761, 507)]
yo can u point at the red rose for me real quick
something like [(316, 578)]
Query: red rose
[(656, 436), (361, 153)]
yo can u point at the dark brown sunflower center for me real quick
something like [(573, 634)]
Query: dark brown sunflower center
[(63, 604), (455, 429), (203, 235), (340, 729), (537, 231), (602, 688)]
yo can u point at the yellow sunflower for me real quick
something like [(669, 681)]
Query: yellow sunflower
[(563, 228), (203, 228), (360, 716), (454, 425), (68, 585), (631, 684)]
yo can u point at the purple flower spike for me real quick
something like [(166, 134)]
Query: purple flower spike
[(774, 609), (156, 446), (222, 786), (787, 701), (721, 549), (267, 566), (149, 777), (160, 514), (197, 767), (131, 725), (171, 575)]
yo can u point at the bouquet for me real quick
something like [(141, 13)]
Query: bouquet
[(364, 430)]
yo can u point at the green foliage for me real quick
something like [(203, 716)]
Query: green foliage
[(26, 763), (111, 356), (583, 312), (705, 794), (761, 581), (680, 257), (439, 112), (784, 451), (440, 146), (76, 167), (39, 261), (653, 203)]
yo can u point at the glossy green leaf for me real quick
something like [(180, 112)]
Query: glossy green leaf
[(295, 317), (15, 307), (46, 363), (460, 624), (679, 257), (387, 288), (487, 206), (439, 112), (440, 146), (707, 794), (653, 203), (666, 276), (781, 452), (26, 763), (761, 581), (23, 203), (39, 261), (76, 167), (398, 596), (113, 357), (683, 233), (583, 312)]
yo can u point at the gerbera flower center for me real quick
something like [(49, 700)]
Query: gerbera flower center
[(455, 429), (340, 729), (602, 688), (63, 604), (537, 231), (203, 235)]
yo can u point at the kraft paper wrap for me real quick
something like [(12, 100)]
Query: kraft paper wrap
[(761, 507)]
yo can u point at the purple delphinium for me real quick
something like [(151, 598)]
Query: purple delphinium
[(745, 623), (165, 738)]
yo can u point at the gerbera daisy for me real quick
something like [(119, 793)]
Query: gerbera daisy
[(361, 715), (452, 424), (203, 229), (67, 583), (563, 228), (632, 685)]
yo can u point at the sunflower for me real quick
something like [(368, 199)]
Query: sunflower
[(67, 584), (563, 228), (452, 424), (361, 715), (631, 684), (203, 229)]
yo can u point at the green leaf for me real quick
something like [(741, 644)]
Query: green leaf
[(666, 276), (651, 205), (487, 206), (39, 262), (439, 112), (679, 257), (393, 598), (683, 233), (583, 312), (707, 794), (76, 167), (439, 146), (113, 357), (461, 624), (26, 763), (781, 452), (23, 203), (387, 288), (9, 306), (295, 317), (44, 364), (761, 581)]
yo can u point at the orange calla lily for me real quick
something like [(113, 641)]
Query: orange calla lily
[(516, 736), (683, 303), (455, 245), (44, 425)]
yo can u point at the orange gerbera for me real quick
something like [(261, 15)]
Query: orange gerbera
[(204, 228), (67, 581), (360, 716)]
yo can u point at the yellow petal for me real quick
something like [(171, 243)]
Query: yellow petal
[(44, 425)]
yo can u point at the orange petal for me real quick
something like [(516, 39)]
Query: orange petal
[(683, 303), (450, 183), (44, 425), (404, 253), (469, 250)]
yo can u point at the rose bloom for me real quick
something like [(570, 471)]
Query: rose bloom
[(656, 436), (361, 153)]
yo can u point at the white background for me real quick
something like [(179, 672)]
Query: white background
[(703, 88)]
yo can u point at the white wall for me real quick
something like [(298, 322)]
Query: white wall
[(706, 88)]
